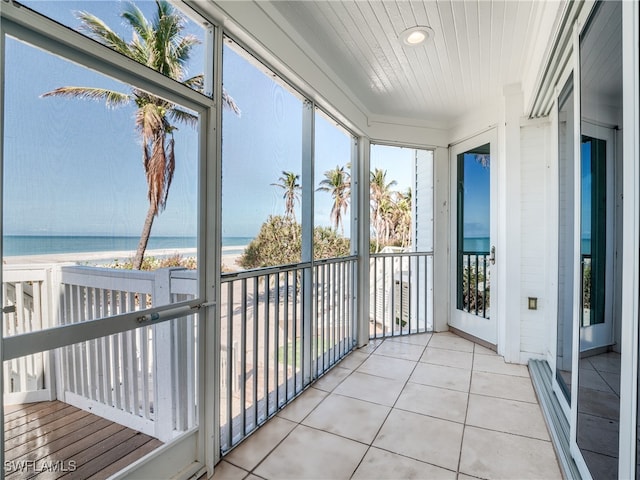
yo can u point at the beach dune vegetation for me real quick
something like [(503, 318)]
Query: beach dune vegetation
[(155, 263), (279, 242)]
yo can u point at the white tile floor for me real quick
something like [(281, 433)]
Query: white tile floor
[(423, 406)]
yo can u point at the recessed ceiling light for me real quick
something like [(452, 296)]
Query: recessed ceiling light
[(415, 36)]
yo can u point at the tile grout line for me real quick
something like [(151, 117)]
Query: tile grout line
[(391, 408), (297, 424), (466, 413)]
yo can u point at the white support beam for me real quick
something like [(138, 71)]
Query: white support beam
[(442, 239), (361, 174), (509, 254), (631, 241)]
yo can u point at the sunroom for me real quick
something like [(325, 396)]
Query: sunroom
[(380, 239)]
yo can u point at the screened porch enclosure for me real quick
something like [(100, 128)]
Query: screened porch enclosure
[(301, 308), (146, 379)]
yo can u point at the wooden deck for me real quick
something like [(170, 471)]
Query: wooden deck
[(49, 440)]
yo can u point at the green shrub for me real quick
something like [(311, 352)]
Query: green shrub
[(153, 263), (279, 242)]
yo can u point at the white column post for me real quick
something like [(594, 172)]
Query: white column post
[(441, 239), (308, 310), (163, 354), (362, 219), (631, 241), (509, 231)]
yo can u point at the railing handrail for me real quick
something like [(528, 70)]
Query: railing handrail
[(12, 275), (254, 272), (289, 267), (324, 261), (400, 254)]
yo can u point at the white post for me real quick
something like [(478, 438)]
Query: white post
[(164, 413), (49, 319), (509, 295), (360, 196), (54, 313), (441, 239)]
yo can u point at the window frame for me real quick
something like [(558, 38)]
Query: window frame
[(38, 31)]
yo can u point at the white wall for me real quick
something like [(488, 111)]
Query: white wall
[(534, 208), (442, 240)]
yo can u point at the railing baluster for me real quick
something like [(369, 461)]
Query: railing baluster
[(322, 286), (229, 391), (426, 293), (484, 286), (294, 347), (341, 309), (477, 276), (135, 370), (243, 355), (276, 335), (285, 343), (419, 272), (255, 350), (374, 310), (144, 366), (265, 364), (335, 288)]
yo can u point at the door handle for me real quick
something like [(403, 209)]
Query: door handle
[(492, 256)]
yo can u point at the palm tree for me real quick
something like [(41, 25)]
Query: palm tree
[(289, 183), (380, 193), (402, 218), (338, 183), (158, 44)]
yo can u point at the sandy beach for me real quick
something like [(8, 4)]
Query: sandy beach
[(229, 257)]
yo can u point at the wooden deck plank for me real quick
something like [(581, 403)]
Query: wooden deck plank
[(35, 420), (73, 442), (100, 463), (128, 459), (58, 439), (32, 412), (32, 430), (77, 449)]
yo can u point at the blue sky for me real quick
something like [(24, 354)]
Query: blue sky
[(476, 198), (74, 166)]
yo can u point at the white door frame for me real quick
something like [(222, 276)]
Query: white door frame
[(601, 335), (485, 329)]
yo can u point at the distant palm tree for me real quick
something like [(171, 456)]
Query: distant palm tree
[(289, 183), (380, 196), (402, 218), (338, 183), (160, 45)]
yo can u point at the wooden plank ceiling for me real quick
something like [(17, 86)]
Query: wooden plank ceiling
[(479, 47)]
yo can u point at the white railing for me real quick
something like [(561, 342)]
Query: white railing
[(26, 307), (281, 328), (144, 378), (401, 293)]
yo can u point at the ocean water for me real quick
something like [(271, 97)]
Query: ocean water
[(482, 244), (476, 244), (13, 245)]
